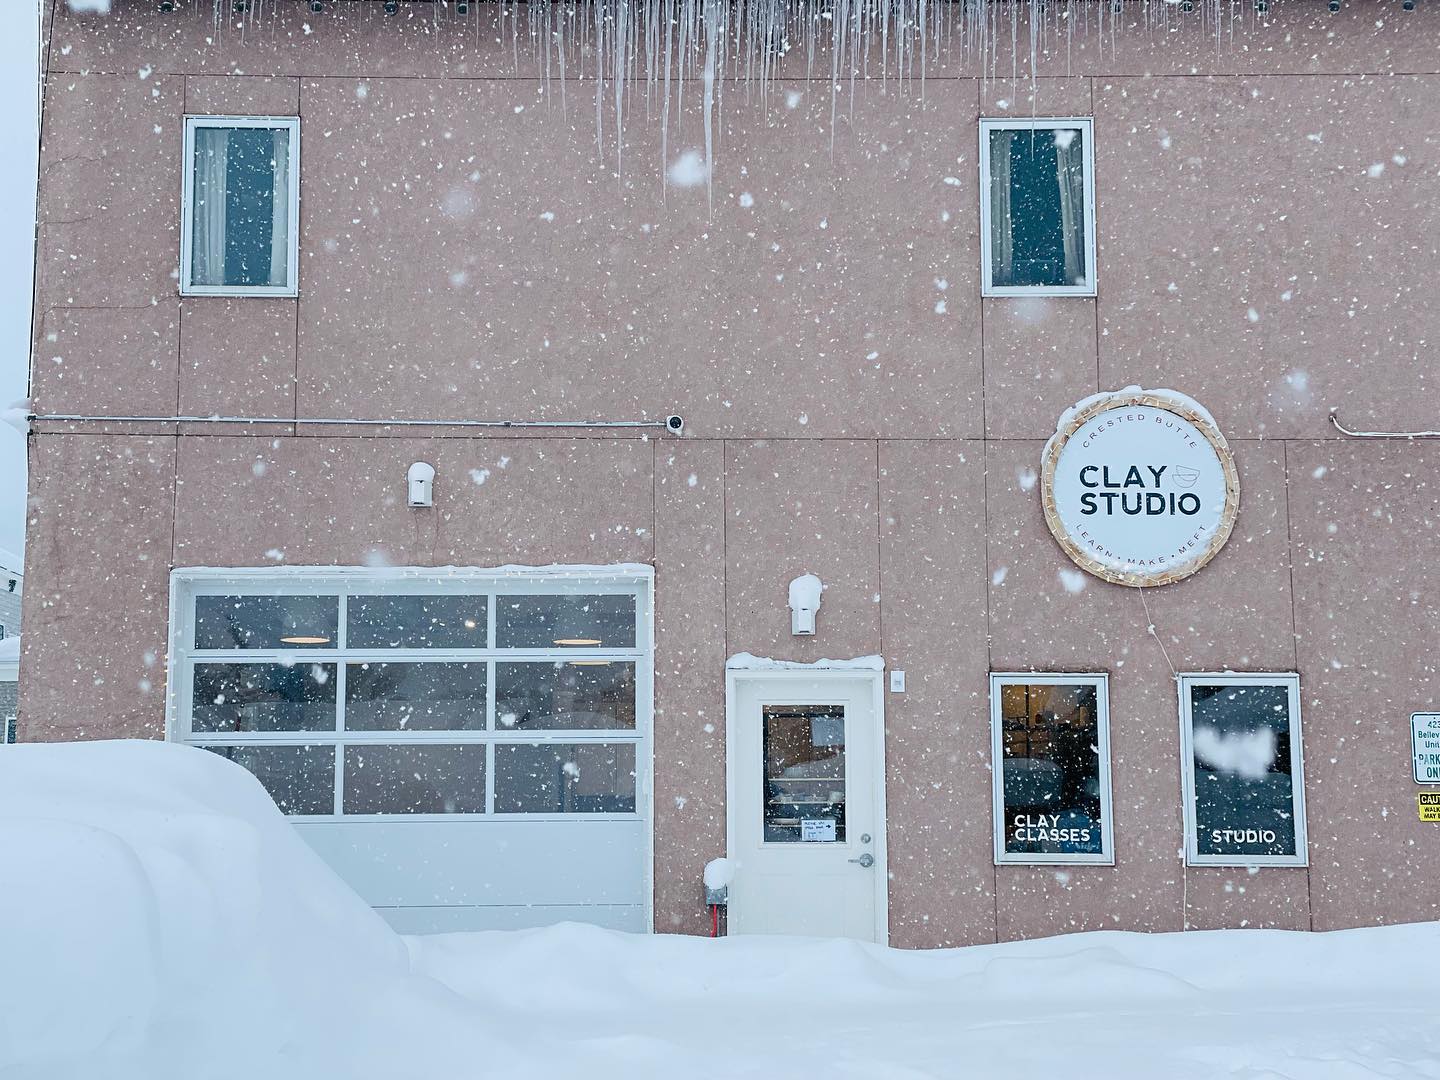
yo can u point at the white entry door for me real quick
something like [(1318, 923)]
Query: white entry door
[(805, 764)]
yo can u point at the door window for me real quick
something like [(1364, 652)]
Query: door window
[(804, 791)]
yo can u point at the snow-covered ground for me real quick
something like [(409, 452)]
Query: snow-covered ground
[(159, 919)]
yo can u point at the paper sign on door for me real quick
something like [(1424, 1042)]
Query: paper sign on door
[(817, 830)]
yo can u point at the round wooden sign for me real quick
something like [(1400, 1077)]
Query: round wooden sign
[(1140, 487)]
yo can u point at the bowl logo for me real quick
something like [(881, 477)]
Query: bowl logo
[(1185, 477)]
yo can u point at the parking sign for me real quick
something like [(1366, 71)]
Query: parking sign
[(1425, 743)]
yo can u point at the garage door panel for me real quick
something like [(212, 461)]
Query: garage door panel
[(457, 863), (467, 748), (631, 918)]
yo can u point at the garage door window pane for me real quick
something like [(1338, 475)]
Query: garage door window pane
[(301, 779), (565, 778), (565, 621), (263, 697), (1052, 787), (1245, 795), (416, 622), (572, 694), (414, 697), (415, 779), (266, 622)]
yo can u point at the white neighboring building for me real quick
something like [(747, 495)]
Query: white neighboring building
[(11, 586), (12, 580)]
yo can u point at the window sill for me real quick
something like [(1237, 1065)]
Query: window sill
[(1013, 291), (270, 291)]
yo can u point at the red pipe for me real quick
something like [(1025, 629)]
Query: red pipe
[(715, 916)]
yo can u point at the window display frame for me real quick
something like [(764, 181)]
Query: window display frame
[(1184, 682), (1101, 683)]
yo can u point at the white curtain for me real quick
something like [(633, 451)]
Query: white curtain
[(1002, 235), (280, 229), (207, 250), (1070, 175)]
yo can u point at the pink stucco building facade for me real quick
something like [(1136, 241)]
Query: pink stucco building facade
[(1265, 215)]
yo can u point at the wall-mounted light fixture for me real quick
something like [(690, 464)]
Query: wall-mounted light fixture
[(804, 603), (420, 484)]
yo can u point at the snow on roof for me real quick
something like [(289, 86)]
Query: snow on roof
[(12, 563)]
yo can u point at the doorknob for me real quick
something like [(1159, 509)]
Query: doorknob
[(866, 860)]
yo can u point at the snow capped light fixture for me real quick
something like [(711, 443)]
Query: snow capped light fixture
[(804, 603), (420, 484)]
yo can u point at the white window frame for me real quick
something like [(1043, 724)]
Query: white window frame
[(627, 579), (187, 205), (1044, 123), (1289, 680), (1101, 682)]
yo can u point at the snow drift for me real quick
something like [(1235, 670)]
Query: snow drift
[(161, 920)]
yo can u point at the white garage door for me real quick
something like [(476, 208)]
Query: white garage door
[(470, 749)]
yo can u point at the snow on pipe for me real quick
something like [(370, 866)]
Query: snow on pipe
[(674, 423), (1335, 419)]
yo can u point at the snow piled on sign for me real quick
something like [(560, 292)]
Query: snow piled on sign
[(1248, 754), (163, 921)]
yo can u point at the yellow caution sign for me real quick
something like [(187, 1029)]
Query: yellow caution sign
[(1429, 806)]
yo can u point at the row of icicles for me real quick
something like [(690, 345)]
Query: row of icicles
[(662, 50)]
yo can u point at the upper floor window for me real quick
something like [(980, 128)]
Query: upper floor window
[(1037, 208), (241, 206)]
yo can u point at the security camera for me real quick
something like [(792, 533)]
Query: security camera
[(1408, 5), (462, 7), (167, 6), (317, 6), (675, 424), (392, 7), (1334, 5)]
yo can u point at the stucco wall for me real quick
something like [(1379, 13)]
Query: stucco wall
[(838, 421)]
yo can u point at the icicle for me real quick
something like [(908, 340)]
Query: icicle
[(712, 44)]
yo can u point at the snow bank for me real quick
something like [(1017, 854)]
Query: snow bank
[(161, 920), (1222, 1005)]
